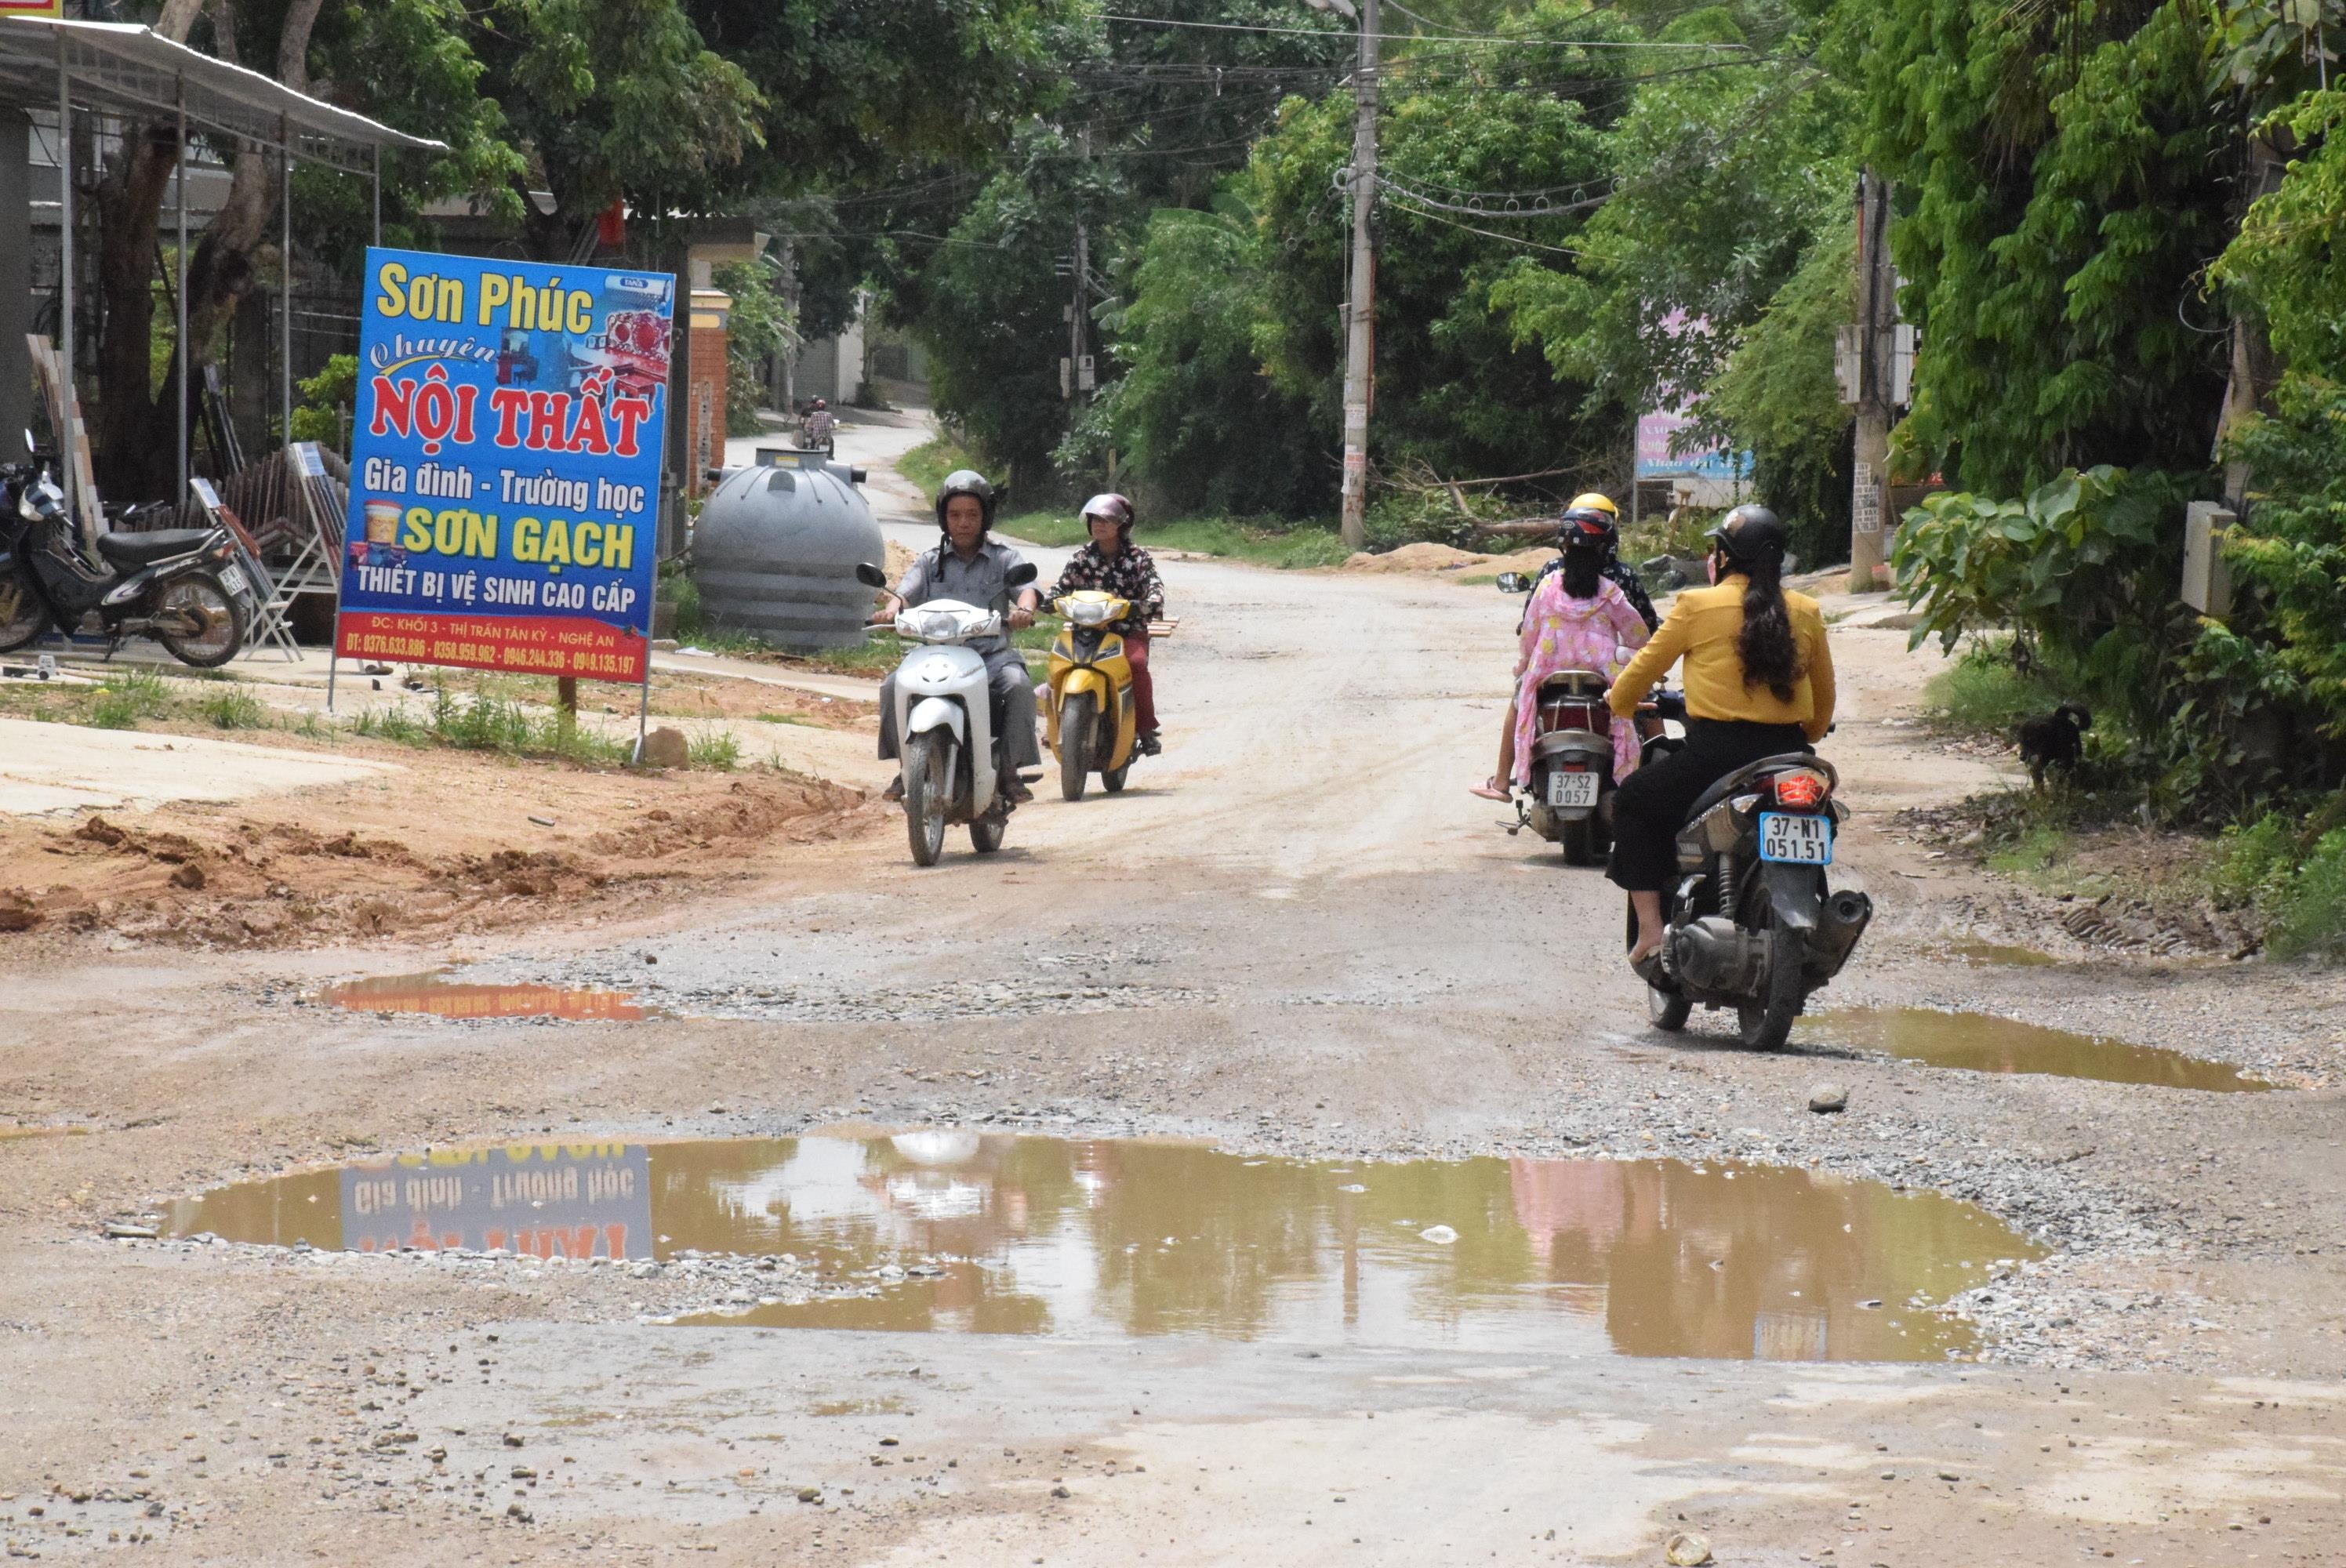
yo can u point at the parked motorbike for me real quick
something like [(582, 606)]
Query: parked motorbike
[(1089, 703), (1754, 922), (945, 721), (179, 585)]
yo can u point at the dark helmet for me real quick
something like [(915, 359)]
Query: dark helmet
[(1591, 522), (1113, 507), (966, 482), (1751, 534)]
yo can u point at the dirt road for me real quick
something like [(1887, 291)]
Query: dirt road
[(1296, 937)]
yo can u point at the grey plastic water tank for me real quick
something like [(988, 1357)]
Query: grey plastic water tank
[(776, 547)]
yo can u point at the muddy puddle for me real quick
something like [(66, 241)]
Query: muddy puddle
[(436, 994), (1981, 1042), (10, 1135), (958, 1231), (1998, 954)]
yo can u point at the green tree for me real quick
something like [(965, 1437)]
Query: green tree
[(1192, 414), (758, 326), (615, 100), (1458, 390), (2063, 176), (404, 62), (990, 305)]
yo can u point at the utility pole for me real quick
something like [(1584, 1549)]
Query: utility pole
[(1867, 383), (1360, 353), (1080, 379)]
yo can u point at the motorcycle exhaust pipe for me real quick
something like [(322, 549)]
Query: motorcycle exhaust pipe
[(1847, 915)]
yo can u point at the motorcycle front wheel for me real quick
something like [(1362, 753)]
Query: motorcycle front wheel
[(200, 622), (1074, 746), (22, 618), (928, 794)]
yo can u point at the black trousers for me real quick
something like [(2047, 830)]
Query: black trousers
[(1651, 804)]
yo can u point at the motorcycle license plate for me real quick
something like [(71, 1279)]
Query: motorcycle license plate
[(1800, 841), (1571, 788)]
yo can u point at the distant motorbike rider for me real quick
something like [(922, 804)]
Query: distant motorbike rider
[(1591, 524), (1758, 682), (1113, 563), (819, 424), (969, 566)]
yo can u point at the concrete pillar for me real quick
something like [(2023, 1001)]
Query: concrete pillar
[(704, 412), (16, 281)]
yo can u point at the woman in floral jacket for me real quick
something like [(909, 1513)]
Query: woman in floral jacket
[(1577, 619)]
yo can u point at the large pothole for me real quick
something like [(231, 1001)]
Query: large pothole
[(959, 1231)]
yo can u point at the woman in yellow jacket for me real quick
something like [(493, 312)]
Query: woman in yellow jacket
[(1758, 682)]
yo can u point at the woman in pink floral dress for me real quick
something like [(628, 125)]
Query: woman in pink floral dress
[(1577, 619)]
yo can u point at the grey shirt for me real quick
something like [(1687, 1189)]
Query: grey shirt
[(942, 573)]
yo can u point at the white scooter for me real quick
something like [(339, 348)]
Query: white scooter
[(945, 721)]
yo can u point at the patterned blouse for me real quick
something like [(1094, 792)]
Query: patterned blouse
[(1131, 576)]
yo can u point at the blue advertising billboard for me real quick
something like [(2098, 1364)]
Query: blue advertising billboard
[(505, 466)]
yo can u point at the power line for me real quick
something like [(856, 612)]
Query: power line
[(1538, 196), (1492, 233)]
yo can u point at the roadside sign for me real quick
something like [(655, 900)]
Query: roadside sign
[(504, 466)]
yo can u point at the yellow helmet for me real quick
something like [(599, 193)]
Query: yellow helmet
[(1594, 501)]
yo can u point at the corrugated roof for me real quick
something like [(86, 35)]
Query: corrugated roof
[(117, 68)]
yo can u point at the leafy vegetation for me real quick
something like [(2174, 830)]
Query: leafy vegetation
[(1986, 691), (128, 697), (2295, 874)]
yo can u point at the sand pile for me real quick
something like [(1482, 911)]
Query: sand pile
[(1431, 557)]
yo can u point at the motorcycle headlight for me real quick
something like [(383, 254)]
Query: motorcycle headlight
[(1090, 612)]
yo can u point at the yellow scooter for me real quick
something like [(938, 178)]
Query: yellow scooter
[(1089, 712)]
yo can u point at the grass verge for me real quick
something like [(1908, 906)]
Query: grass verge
[(927, 464), (1983, 692), (2294, 873)]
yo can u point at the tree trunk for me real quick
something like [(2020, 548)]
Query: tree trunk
[(2256, 371), (139, 429)]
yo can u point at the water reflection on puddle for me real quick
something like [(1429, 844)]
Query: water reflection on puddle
[(1976, 951), (1983, 1043), (436, 994), (1092, 1238)]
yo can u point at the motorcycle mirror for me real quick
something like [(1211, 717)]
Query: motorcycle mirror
[(1019, 576), (1514, 583), (869, 575)]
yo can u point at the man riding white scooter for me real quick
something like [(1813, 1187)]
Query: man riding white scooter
[(971, 566)]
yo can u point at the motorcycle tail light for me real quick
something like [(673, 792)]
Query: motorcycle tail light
[(1802, 788)]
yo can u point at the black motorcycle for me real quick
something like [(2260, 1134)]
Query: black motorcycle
[(1753, 922), (182, 586)]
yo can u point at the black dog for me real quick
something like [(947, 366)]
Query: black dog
[(2055, 740)]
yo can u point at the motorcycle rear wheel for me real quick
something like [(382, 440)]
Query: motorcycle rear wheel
[(1074, 746), (928, 792), (1579, 841), (215, 613), (1767, 1022), (985, 833), (22, 618), (1112, 778), (1664, 1010)]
